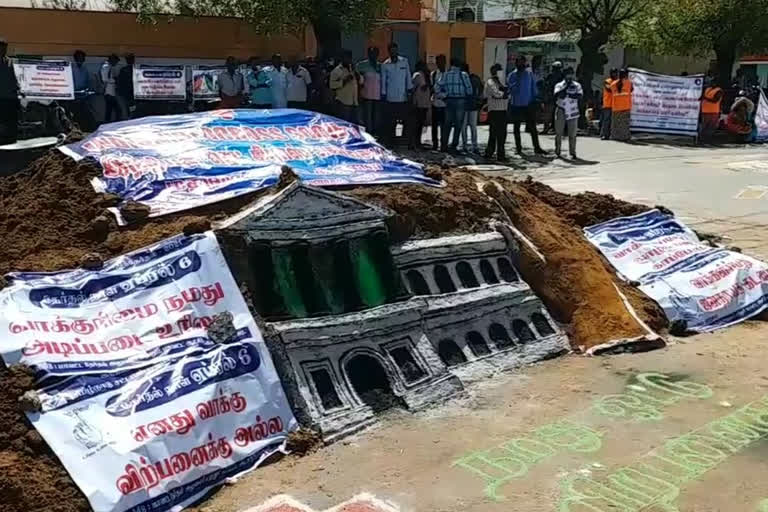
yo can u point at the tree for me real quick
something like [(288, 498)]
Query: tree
[(597, 23), (728, 28), (328, 18)]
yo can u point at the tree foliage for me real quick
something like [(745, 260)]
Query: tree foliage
[(329, 18), (727, 28)]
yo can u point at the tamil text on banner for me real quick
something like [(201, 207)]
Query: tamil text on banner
[(45, 79), (159, 83), (761, 118), (144, 410), (664, 103), (205, 82), (708, 287), (173, 163)]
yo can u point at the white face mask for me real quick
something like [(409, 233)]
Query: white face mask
[(499, 74)]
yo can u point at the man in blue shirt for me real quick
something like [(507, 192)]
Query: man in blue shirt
[(80, 75), (454, 87), (522, 103)]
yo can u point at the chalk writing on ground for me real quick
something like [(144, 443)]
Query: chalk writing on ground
[(643, 401), (653, 482)]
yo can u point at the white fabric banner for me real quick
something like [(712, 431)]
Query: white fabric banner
[(707, 287), (144, 410), (205, 82), (761, 117), (45, 79), (665, 103), (159, 83)]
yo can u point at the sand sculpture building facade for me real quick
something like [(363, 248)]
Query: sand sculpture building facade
[(361, 323)]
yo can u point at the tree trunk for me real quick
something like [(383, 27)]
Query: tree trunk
[(726, 56), (592, 62), (328, 35)]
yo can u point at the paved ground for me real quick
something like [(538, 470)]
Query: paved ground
[(667, 430)]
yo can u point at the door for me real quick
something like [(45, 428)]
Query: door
[(408, 44)]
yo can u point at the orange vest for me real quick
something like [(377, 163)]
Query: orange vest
[(622, 101), (607, 96), (711, 106)]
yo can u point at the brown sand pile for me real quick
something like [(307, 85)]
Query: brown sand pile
[(584, 209), (573, 282), (31, 477)]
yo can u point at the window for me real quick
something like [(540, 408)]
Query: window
[(459, 47), (450, 353), (443, 279), (506, 270), (500, 336), (466, 275), (522, 331), (542, 325), (325, 389), (417, 283), (477, 344), (407, 364), (489, 275)]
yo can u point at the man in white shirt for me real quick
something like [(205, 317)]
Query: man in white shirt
[(279, 76), (108, 74), (298, 81), (567, 96), (396, 82), (231, 85), (438, 104)]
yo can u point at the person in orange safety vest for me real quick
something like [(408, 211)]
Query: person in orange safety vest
[(607, 111), (711, 101)]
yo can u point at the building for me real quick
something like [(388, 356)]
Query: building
[(359, 325)]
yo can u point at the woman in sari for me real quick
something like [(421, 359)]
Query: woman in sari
[(621, 92)]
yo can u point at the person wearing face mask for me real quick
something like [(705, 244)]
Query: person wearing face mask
[(567, 96), (231, 85), (498, 99), (522, 104), (621, 91)]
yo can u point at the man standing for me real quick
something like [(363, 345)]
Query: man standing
[(370, 96), (259, 86), (497, 96), (9, 98), (298, 83), (567, 96), (108, 73), (279, 77), (438, 105), (81, 79), (553, 78), (474, 104), (522, 104), (343, 82), (231, 85), (396, 81), (454, 88), (607, 110), (711, 102), (125, 86)]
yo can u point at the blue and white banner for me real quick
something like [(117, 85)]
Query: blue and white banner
[(144, 410), (665, 103), (166, 83), (761, 118), (172, 163), (707, 287), (45, 79)]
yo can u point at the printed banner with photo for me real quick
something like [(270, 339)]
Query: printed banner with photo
[(708, 287), (665, 103), (173, 163), (145, 410), (45, 79), (159, 83), (205, 82)]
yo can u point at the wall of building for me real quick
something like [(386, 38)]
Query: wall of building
[(57, 32), (435, 39)]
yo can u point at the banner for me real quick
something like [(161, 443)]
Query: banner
[(45, 79), (144, 410), (159, 83), (708, 287), (172, 163), (761, 118), (665, 103), (205, 82)]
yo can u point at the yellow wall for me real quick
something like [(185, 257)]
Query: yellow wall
[(57, 32), (435, 39)]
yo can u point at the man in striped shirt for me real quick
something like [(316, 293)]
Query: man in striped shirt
[(498, 99), (454, 87)]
